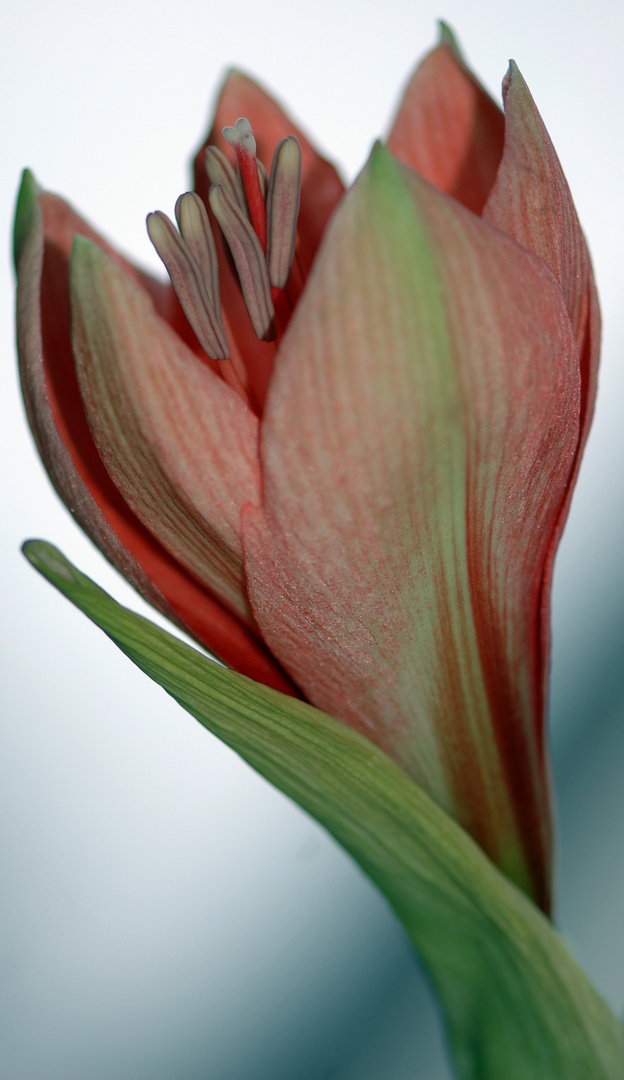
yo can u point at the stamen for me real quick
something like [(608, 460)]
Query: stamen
[(249, 260), (241, 139), (219, 171), (283, 209), (191, 278), (192, 218)]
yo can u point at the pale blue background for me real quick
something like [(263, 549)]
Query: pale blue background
[(164, 913)]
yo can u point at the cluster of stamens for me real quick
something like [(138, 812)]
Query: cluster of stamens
[(257, 214)]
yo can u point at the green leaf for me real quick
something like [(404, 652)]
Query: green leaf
[(517, 1006)]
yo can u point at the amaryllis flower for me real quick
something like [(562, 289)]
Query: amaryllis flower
[(339, 448)]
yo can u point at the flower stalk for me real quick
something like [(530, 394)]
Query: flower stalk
[(339, 449)]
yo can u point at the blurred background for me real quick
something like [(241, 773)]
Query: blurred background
[(164, 912)]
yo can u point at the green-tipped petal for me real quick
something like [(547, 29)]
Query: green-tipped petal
[(26, 214), (447, 37), (46, 373), (416, 445), (516, 1005), (44, 232), (178, 442)]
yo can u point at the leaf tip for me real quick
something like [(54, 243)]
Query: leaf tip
[(50, 562)]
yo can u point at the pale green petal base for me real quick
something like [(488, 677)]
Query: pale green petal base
[(517, 1007)]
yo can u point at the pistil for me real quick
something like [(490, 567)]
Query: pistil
[(241, 139)]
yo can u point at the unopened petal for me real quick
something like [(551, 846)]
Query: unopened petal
[(177, 441), (448, 129), (417, 441), (531, 202)]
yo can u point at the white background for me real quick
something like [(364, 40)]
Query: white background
[(164, 913)]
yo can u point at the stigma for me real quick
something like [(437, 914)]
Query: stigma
[(256, 213)]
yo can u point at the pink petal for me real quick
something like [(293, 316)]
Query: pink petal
[(448, 129), (416, 447), (60, 430)]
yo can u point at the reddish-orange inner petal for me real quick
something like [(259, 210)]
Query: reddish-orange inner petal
[(449, 130), (321, 191)]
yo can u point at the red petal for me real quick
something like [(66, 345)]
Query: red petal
[(321, 186), (448, 129), (60, 430)]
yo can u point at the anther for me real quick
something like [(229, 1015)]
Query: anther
[(283, 209), (191, 262), (195, 230), (219, 171), (241, 139), (248, 258)]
